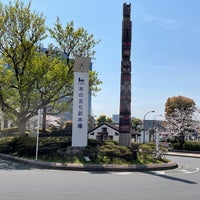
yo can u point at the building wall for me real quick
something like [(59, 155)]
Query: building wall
[(112, 133)]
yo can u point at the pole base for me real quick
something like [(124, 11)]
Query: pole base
[(125, 139)]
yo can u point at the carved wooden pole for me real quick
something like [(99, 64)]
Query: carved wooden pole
[(125, 90)]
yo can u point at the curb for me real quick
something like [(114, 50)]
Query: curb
[(191, 155), (92, 167)]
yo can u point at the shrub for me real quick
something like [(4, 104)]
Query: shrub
[(6, 140), (110, 142), (135, 145), (176, 146), (94, 143), (91, 152), (9, 131), (145, 148), (109, 152), (152, 145), (55, 133), (24, 146), (192, 146), (5, 147), (145, 152), (189, 145)]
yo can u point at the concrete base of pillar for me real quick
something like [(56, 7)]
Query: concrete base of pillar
[(125, 139)]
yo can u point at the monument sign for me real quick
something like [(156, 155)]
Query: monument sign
[(80, 102)]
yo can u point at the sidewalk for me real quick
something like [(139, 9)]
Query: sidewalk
[(183, 154)]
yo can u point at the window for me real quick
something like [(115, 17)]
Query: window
[(110, 137), (104, 129)]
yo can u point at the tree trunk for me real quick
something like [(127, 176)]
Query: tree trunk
[(44, 119), (22, 126), (181, 140)]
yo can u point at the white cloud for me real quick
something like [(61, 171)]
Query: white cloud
[(168, 23), (149, 18), (162, 22)]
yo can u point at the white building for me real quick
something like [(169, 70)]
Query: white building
[(106, 131), (110, 131)]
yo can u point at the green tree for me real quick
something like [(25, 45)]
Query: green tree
[(30, 79), (103, 118), (136, 124), (55, 84), (72, 43), (20, 31), (178, 102)]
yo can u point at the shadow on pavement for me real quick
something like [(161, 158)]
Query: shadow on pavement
[(10, 165), (170, 177)]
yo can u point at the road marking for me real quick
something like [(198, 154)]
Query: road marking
[(191, 172), (159, 172), (124, 173), (185, 169)]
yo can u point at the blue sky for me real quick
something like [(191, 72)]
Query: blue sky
[(165, 48)]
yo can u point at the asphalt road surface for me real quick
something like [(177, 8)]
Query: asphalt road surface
[(18, 181)]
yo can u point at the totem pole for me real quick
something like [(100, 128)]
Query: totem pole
[(125, 90)]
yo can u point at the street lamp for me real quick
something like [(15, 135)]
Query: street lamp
[(157, 136), (152, 111), (154, 129)]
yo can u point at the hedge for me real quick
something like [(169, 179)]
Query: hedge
[(189, 145), (192, 146), (9, 131)]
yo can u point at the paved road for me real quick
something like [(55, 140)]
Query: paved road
[(18, 181)]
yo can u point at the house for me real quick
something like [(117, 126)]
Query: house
[(110, 131), (105, 131)]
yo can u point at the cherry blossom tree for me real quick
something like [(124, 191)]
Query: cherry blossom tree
[(180, 120)]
